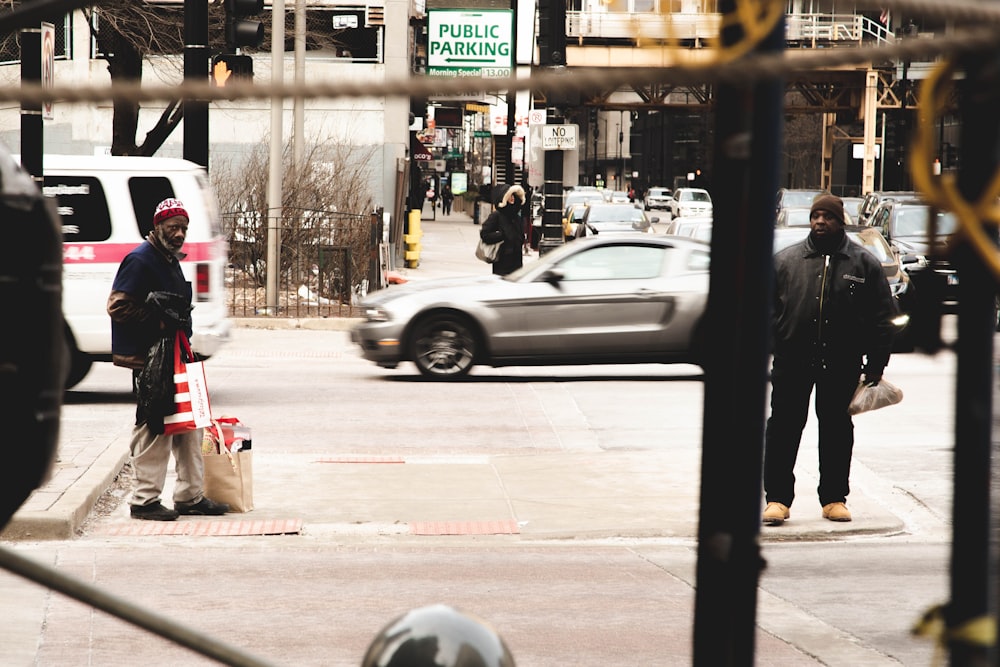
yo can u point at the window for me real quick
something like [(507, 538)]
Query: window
[(82, 207), (617, 262), (10, 44), (146, 193)]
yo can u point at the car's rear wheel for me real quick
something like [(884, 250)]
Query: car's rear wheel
[(444, 346)]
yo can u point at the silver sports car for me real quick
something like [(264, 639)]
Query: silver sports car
[(596, 300)]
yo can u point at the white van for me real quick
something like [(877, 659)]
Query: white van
[(106, 205)]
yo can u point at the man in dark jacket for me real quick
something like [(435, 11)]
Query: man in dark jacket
[(505, 224), (832, 308), (136, 325)]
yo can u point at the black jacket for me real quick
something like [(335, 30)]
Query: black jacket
[(505, 224), (832, 309)]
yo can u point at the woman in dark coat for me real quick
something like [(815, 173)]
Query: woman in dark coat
[(505, 224)]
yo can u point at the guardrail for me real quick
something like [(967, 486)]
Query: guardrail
[(812, 29)]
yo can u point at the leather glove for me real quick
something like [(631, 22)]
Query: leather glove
[(873, 376)]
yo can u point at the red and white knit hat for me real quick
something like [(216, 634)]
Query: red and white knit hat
[(168, 208)]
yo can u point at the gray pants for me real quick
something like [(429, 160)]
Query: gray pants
[(150, 457)]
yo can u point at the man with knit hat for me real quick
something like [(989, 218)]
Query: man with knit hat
[(136, 325), (831, 325)]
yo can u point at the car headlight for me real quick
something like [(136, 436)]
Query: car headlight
[(376, 314)]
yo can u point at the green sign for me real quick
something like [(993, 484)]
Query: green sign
[(464, 42)]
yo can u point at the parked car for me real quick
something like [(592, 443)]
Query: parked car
[(852, 205), (657, 198), (685, 226), (616, 197), (574, 214), (797, 197), (613, 218), (690, 201), (601, 299), (904, 224), (873, 199)]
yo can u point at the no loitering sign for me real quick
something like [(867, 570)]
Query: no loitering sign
[(463, 42), (558, 137)]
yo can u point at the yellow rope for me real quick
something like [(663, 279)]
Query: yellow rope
[(978, 631), (942, 191)]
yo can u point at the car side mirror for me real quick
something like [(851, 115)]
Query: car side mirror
[(553, 277)]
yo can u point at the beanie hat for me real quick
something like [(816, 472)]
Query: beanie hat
[(831, 204), (168, 208)]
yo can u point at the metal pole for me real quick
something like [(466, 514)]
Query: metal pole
[(274, 209), (196, 61), (973, 558), (31, 112), (749, 120), (298, 112), (552, 55)]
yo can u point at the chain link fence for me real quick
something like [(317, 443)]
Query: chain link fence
[(326, 261)]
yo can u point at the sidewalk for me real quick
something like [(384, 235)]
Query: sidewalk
[(88, 464)]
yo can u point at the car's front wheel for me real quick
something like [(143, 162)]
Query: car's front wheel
[(444, 346)]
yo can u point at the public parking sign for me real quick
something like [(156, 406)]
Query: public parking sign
[(464, 42)]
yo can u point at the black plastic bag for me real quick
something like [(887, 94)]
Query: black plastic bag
[(155, 386), (174, 309)]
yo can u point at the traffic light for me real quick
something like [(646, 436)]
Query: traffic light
[(241, 29), (230, 68)]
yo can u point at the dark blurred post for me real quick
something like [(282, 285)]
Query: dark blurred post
[(552, 55), (973, 556), (747, 147), (196, 61), (32, 138)]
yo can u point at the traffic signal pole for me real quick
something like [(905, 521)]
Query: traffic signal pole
[(735, 355), (196, 60), (552, 55)]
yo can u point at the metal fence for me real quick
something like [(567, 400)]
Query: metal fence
[(326, 261)]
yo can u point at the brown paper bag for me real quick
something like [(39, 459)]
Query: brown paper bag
[(229, 479)]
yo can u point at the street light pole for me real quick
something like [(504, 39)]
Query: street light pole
[(621, 155)]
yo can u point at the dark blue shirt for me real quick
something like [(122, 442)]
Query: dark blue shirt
[(145, 269)]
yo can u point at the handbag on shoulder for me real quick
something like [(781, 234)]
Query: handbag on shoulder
[(487, 252)]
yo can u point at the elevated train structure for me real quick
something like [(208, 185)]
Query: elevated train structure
[(659, 134)]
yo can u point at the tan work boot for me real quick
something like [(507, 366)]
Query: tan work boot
[(775, 514), (836, 512)]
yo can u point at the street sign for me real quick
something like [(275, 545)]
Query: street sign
[(558, 137), (48, 65), (463, 42)]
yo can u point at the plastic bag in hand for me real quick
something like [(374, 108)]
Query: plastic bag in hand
[(867, 398), (174, 309), (155, 386)]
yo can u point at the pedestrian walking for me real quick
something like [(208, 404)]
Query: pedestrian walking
[(447, 197), (505, 224), (137, 324), (832, 312)]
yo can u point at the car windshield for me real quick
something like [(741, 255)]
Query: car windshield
[(614, 262), (694, 195), (614, 213), (657, 192), (912, 221), (796, 217), (799, 198)]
